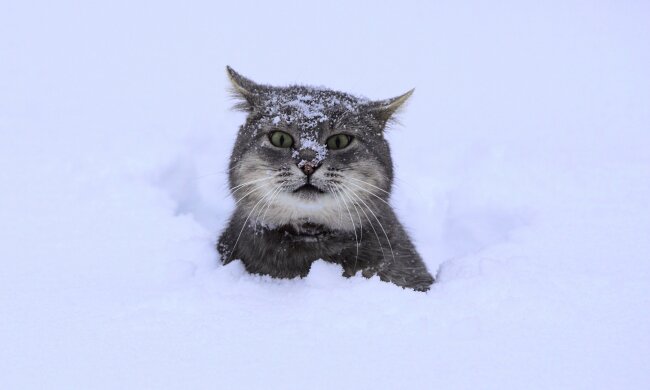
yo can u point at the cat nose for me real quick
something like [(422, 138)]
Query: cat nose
[(308, 168), (308, 161), (307, 154)]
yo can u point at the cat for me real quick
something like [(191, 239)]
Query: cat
[(311, 173)]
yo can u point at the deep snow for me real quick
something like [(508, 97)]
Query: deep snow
[(523, 175)]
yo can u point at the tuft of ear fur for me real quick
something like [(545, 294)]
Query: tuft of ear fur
[(384, 110), (243, 90)]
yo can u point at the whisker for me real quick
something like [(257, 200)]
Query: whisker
[(381, 247), (249, 192), (371, 185), (245, 221), (338, 202), (360, 226), (370, 192), (271, 200), (353, 227), (266, 202), (238, 187), (377, 219)]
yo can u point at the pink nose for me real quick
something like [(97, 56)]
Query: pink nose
[(308, 168)]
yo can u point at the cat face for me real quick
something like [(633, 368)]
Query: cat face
[(310, 157)]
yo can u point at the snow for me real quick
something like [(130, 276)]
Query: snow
[(304, 103), (522, 169), (308, 141)]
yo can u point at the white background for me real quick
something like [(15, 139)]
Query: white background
[(523, 175)]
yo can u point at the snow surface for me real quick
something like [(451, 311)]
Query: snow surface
[(523, 175)]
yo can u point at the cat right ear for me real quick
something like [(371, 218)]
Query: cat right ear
[(244, 90), (384, 110)]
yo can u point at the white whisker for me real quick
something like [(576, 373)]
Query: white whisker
[(250, 192), (353, 227), (372, 226), (354, 204), (246, 220), (271, 200), (338, 202), (240, 186), (365, 182), (371, 193), (377, 219)]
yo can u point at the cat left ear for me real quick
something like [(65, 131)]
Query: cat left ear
[(385, 109), (243, 89)]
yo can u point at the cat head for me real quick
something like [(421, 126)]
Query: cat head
[(310, 156)]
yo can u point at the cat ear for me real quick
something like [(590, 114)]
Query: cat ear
[(385, 109), (244, 90)]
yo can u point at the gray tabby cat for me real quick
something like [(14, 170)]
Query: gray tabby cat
[(312, 175)]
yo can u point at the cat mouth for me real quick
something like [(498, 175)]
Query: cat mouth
[(308, 190)]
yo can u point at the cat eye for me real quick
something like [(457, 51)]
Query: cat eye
[(339, 141), (281, 139)]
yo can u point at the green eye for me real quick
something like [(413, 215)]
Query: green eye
[(281, 139), (339, 141)]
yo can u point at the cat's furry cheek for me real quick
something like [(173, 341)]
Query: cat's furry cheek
[(288, 209), (248, 171)]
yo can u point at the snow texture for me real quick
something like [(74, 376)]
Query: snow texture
[(309, 106), (523, 175), (309, 142)]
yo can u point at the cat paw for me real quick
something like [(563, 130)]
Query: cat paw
[(416, 280)]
